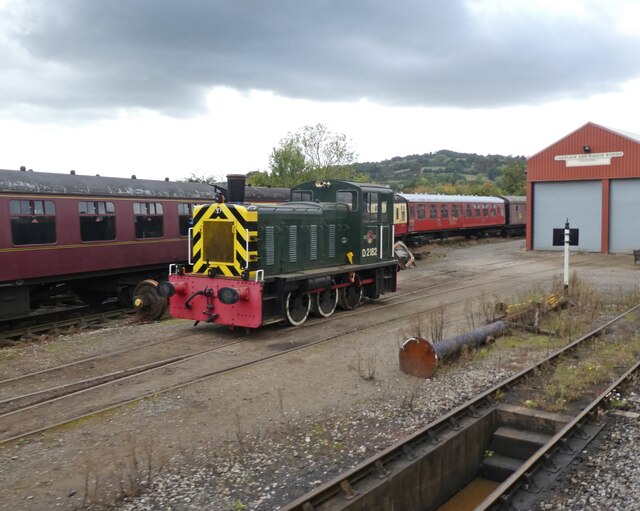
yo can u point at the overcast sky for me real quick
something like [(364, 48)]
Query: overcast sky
[(165, 88)]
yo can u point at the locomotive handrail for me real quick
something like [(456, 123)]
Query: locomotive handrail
[(189, 238), (246, 247)]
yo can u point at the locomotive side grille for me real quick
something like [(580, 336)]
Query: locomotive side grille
[(332, 240), (313, 232), (293, 243), (270, 245), (218, 241)]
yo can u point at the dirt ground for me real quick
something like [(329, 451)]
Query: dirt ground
[(81, 463)]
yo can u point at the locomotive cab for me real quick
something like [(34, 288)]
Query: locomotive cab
[(370, 216)]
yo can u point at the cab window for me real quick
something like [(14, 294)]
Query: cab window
[(302, 196), (347, 197), (371, 209)]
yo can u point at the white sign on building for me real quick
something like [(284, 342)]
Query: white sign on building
[(588, 159)]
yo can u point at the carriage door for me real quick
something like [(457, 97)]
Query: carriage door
[(375, 227), (411, 213)]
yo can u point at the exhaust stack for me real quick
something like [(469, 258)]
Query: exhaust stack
[(235, 187)]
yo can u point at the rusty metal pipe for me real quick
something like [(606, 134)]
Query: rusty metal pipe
[(419, 357), (453, 345)]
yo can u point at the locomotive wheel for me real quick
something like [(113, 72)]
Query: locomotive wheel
[(324, 303), (148, 304), (298, 305), (349, 297)]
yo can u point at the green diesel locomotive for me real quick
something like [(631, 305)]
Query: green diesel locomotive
[(331, 245)]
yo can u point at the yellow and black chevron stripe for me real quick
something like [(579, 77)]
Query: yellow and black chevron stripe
[(225, 239)]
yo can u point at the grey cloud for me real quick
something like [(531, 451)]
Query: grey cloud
[(101, 55)]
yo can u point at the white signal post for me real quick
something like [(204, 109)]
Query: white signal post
[(566, 255)]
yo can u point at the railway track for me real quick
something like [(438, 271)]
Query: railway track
[(92, 316), (49, 384), (60, 320), (410, 475), (27, 406)]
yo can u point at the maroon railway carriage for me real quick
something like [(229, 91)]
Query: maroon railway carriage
[(92, 235), (437, 216), (516, 215)]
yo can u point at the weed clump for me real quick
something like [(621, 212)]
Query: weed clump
[(597, 366)]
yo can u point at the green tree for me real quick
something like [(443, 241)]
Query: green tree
[(258, 178), (327, 154), (439, 160), (313, 152), (198, 177), (287, 163), (514, 179), (488, 188)]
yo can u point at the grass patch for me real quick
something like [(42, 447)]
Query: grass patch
[(599, 364), (9, 354)]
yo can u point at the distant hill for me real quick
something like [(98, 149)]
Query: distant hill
[(432, 171)]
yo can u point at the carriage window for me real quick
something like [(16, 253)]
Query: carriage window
[(348, 198), (454, 211), (149, 222), (185, 212), (420, 212), (444, 211), (477, 206), (302, 196), (493, 211), (370, 213), (97, 220), (469, 211), (33, 222), (485, 210), (433, 211)]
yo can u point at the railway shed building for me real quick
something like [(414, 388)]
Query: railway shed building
[(592, 178)]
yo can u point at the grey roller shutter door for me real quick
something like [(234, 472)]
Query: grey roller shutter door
[(624, 216), (579, 201)]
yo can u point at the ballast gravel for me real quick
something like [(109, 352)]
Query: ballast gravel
[(265, 473), (606, 475), (259, 474)]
